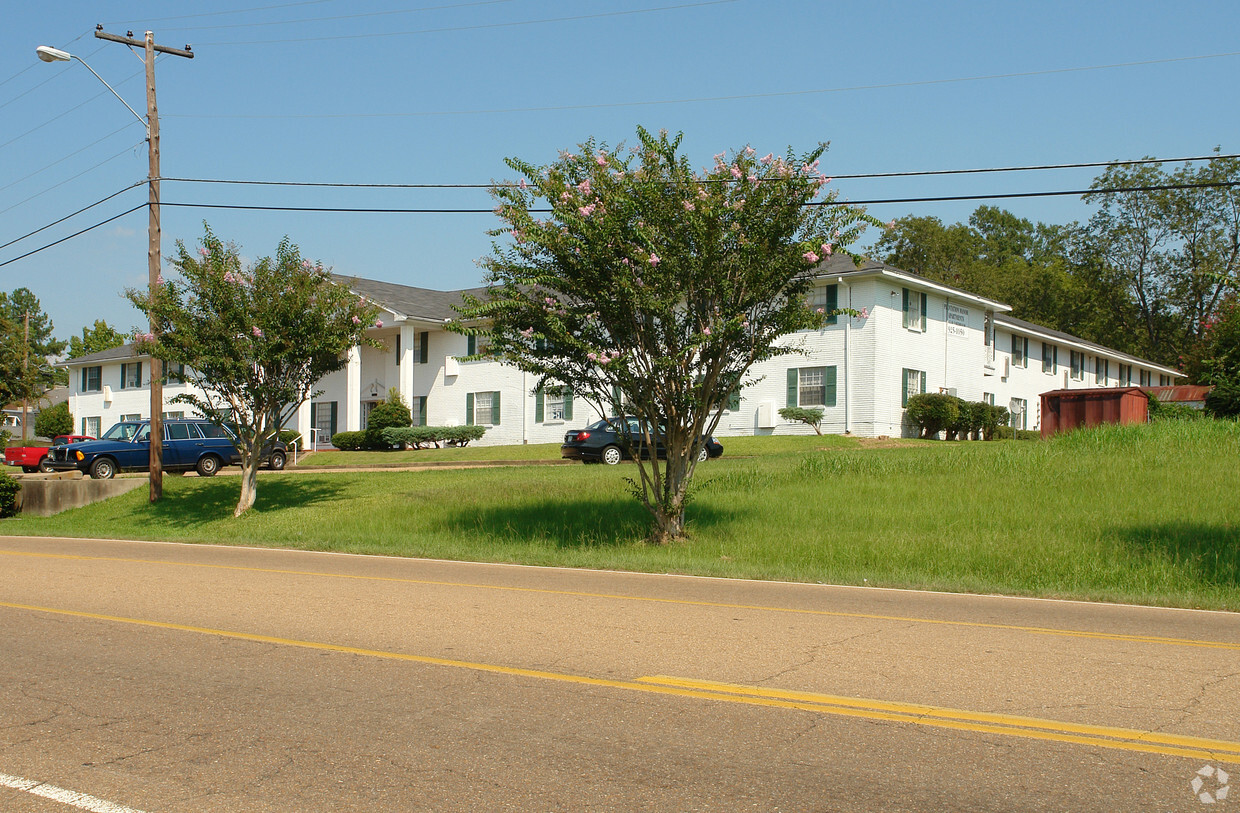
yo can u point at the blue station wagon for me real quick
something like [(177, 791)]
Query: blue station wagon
[(188, 444)]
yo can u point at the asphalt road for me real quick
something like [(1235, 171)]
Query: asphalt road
[(158, 677)]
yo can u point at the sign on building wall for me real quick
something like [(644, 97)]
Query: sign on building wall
[(957, 321)]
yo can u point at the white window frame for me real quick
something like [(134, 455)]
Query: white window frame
[(914, 384), (553, 404), (809, 393), (489, 397)]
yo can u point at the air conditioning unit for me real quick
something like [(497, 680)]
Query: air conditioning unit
[(451, 366), (1065, 379), (948, 391), (1007, 366), (107, 394), (766, 415)]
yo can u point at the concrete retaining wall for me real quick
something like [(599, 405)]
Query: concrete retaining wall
[(45, 494)]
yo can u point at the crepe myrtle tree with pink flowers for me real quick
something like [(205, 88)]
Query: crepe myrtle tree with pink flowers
[(254, 339), (651, 289)]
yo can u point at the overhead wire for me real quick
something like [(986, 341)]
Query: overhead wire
[(218, 13), (477, 27), (857, 176), (74, 214), (339, 16), (75, 234)]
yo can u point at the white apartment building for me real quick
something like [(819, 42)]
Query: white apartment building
[(911, 335)]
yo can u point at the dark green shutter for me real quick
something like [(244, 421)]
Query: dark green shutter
[(469, 409), (905, 307), (828, 380), (734, 400), (904, 388), (83, 385), (568, 404), (833, 304), (617, 399), (122, 385), (138, 377), (472, 345), (495, 408), (538, 405), (924, 301), (423, 350), (793, 383), (332, 422), (421, 410)]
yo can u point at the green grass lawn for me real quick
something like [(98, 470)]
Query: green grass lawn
[(1146, 514)]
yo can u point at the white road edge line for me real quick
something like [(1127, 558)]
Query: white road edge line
[(82, 801)]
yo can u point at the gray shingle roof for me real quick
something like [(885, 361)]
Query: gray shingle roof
[(125, 351), (406, 300)]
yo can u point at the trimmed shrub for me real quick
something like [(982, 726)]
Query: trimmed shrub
[(993, 419), (932, 412), (1008, 433), (809, 416), (349, 441), (418, 436), (9, 486), (390, 413), (289, 436), (53, 421)]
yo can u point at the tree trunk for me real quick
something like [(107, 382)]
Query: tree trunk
[(249, 484)]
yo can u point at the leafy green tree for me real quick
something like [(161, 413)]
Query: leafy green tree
[(1173, 251), (652, 289), (43, 345), (95, 339), (254, 339), (53, 421), (811, 417)]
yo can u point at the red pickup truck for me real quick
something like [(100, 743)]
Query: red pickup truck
[(33, 458)]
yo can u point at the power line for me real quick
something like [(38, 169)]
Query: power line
[(218, 13), (341, 16), (74, 214), (691, 100), (75, 234), (479, 27), (44, 191), (858, 176), (125, 126), (933, 199)]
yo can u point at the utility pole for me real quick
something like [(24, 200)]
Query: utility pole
[(25, 373), (153, 250)]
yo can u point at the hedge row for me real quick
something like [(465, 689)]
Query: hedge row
[(933, 412), (406, 436)]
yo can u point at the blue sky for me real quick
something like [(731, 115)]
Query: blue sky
[(441, 91)]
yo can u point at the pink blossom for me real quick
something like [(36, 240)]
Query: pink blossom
[(820, 310), (654, 259), (603, 360), (640, 284), (865, 313), (378, 323), (624, 260), (356, 320), (749, 150), (549, 300), (228, 277), (601, 159), (737, 173), (258, 334), (702, 194), (706, 331), (826, 249), (753, 178), (522, 184), (588, 210), (767, 159), (891, 224), (810, 257), (689, 207), (584, 187), (159, 279), (565, 197), (528, 332), (202, 252)]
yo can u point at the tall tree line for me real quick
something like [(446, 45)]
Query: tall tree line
[(1152, 272)]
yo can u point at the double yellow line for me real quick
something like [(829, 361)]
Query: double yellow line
[(934, 716)]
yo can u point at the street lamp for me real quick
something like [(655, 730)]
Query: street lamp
[(151, 123)]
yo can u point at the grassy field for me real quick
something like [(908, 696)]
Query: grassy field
[(1146, 514)]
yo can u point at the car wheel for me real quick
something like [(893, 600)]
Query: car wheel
[(703, 455), (208, 466), (276, 463), (102, 469), (612, 455), (45, 466)]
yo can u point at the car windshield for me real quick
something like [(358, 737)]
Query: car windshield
[(122, 431), (599, 426)]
